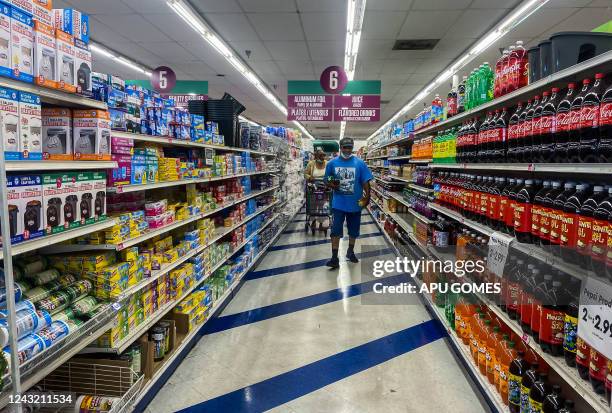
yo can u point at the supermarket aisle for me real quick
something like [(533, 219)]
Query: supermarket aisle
[(296, 338)]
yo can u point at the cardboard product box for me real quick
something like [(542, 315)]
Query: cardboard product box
[(91, 135), (60, 202), (66, 72), (22, 45), (30, 127), (122, 175), (42, 11), (24, 194), (23, 6), (6, 67), (83, 65), (72, 21), (45, 55), (99, 85), (57, 133), (99, 179), (9, 121), (86, 192)]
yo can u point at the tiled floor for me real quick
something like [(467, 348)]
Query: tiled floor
[(323, 358)]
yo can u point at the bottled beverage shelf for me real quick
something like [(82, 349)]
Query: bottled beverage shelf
[(164, 140), (44, 241), (28, 166), (421, 188), (55, 249), (585, 68), (529, 249), (418, 216), (577, 168), (53, 96), (121, 189), (402, 140), (402, 179), (187, 341), (399, 158), (429, 160)]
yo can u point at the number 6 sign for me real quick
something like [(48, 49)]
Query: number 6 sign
[(163, 79), (333, 80)]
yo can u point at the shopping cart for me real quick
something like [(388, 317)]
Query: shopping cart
[(318, 204)]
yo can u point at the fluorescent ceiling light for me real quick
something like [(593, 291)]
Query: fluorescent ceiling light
[(502, 28), (99, 49), (208, 34)]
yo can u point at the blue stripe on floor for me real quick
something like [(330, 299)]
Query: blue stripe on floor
[(281, 389), (317, 242), (298, 304), (295, 231), (307, 265)]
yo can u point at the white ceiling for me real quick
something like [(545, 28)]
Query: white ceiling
[(297, 39)]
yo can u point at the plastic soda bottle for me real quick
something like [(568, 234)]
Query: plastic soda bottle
[(508, 356), (517, 368), (491, 353)]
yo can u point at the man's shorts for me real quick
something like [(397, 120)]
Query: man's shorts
[(353, 222)]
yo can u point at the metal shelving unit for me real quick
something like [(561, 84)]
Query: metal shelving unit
[(420, 160), (402, 140), (397, 178), (53, 96), (567, 168), (420, 188), (28, 166), (587, 67), (399, 158), (162, 140)]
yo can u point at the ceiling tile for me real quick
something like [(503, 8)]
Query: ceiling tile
[(322, 5), (232, 26), (257, 49), (543, 20), (267, 6), (114, 7), (382, 24), (196, 67), (451, 46), (371, 65), (389, 5), (215, 6), (265, 68), (331, 50), (375, 49), (324, 26), (104, 34), (170, 51), (474, 23), (419, 78), (288, 50), (428, 24), (134, 51), (566, 3), (173, 26), (494, 4), (440, 4), (583, 19), (433, 66), (293, 68), (135, 28), (400, 68), (146, 6), (276, 26)]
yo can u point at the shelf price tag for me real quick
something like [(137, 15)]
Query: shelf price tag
[(498, 252), (595, 315)]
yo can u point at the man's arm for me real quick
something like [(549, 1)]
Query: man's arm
[(363, 202), (329, 175)]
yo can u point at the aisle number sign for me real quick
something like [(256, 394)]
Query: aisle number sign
[(595, 315), (333, 98)]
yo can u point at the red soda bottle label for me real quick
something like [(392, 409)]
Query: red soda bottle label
[(609, 250), (536, 212), (563, 122), (535, 316), (555, 226), (574, 119), (484, 204), (503, 204), (512, 300), (609, 377), (527, 128), (605, 113), (599, 239), (509, 213), (522, 217), (545, 223), (589, 116), (523, 71), (583, 352), (494, 207), (546, 124), (569, 233), (551, 326), (597, 365), (585, 227)]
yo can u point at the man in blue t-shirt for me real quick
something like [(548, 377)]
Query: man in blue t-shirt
[(350, 178)]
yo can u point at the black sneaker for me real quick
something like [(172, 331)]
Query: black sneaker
[(333, 263), (352, 257)]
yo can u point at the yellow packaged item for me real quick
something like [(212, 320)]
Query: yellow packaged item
[(170, 256)]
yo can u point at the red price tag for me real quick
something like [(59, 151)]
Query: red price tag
[(119, 189), (530, 167), (525, 338), (169, 140), (119, 246)]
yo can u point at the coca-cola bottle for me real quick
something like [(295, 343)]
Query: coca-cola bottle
[(474, 128), (605, 127), (545, 148), (589, 121), (459, 143), (573, 144), (526, 154), (563, 124), (522, 133), (498, 134), (513, 132), (535, 128), (482, 137)]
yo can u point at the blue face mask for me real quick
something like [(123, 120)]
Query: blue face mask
[(345, 156)]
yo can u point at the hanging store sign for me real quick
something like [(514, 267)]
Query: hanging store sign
[(595, 315), (334, 99), (182, 92)]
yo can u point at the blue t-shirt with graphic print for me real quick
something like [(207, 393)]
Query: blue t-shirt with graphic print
[(352, 173)]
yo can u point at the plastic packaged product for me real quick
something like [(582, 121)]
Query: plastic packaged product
[(44, 277), (28, 321), (19, 306), (157, 336), (156, 208), (95, 404), (27, 348), (32, 266), (84, 305), (18, 293), (56, 331)]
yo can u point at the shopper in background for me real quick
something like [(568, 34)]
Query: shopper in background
[(316, 170), (350, 179)]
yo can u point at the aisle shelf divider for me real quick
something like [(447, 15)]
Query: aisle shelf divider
[(417, 215), (137, 240), (399, 157), (160, 376), (29, 166), (123, 344), (581, 168), (421, 188)]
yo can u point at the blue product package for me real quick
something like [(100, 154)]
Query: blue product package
[(116, 99), (19, 306), (28, 347), (51, 334), (117, 118), (99, 86), (25, 207), (30, 145), (9, 113), (5, 27), (22, 29)]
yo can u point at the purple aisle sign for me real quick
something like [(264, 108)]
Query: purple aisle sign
[(333, 79), (314, 115), (357, 101), (163, 79), (311, 101), (357, 115)]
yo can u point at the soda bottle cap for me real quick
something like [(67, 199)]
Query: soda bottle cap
[(537, 97), (512, 47), (555, 89), (598, 188), (546, 93), (519, 42), (582, 187), (546, 183), (586, 81), (529, 182), (556, 284), (599, 75), (535, 272), (548, 277), (569, 185), (569, 404), (520, 180)]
